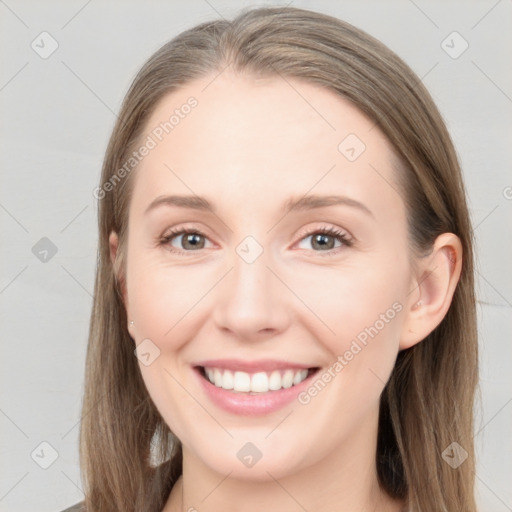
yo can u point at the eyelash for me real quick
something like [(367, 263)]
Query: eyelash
[(334, 232), (331, 231)]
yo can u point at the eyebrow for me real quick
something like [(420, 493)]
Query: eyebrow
[(307, 202), (315, 201), (191, 202)]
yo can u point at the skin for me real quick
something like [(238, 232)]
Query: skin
[(249, 146)]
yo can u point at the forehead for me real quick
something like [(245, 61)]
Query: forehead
[(251, 141)]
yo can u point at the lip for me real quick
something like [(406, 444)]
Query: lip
[(263, 365), (246, 404)]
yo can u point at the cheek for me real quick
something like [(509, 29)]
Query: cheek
[(161, 297), (363, 308), (163, 302), (359, 302)]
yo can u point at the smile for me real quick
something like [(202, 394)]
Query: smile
[(252, 388), (258, 382)]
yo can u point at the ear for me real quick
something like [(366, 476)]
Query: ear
[(433, 286), (113, 241)]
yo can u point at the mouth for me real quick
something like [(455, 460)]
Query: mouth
[(252, 389), (255, 382)]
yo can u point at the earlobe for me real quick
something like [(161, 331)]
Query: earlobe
[(432, 289), (113, 241)]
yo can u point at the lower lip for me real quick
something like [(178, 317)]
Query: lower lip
[(252, 405)]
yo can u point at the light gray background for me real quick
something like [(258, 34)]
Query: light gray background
[(56, 117)]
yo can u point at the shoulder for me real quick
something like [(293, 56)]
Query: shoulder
[(79, 507)]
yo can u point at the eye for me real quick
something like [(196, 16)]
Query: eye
[(324, 240), (182, 240)]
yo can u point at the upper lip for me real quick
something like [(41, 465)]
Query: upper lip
[(262, 365)]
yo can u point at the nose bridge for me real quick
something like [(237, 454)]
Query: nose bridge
[(250, 303)]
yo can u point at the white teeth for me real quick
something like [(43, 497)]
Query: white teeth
[(274, 382), (242, 382), (299, 377), (260, 382), (228, 380), (287, 379)]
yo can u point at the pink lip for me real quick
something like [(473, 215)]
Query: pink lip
[(245, 404), (263, 365)]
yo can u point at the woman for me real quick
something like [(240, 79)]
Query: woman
[(284, 313)]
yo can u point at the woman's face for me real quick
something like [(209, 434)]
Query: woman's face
[(304, 306)]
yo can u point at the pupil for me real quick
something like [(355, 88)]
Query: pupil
[(191, 239), (321, 239)]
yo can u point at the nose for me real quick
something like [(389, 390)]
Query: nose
[(252, 303)]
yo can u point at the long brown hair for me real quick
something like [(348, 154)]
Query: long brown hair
[(129, 458)]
